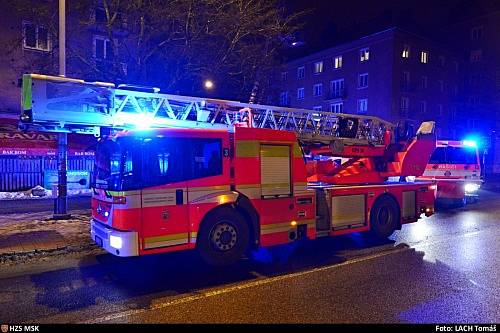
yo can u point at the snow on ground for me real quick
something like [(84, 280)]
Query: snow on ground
[(38, 192)]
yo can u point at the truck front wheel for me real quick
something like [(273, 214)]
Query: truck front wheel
[(223, 237), (384, 217)]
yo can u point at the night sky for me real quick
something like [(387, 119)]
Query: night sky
[(337, 21)]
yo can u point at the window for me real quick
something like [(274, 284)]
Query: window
[(284, 76), (300, 93), (317, 108), (363, 80), (337, 107), (442, 61), (362, 105), (206, 157), (424, 57), (476, 55), (405, 103), (301, 72), (406, 80), (100, 15), (318, 67), (423, 83), (441, 85), (284, 98), (406, 51), (103, 48), (337, 62), (318, 89), (364, 54), (423, 106), (476, 33), (337, 88), (36, 37)]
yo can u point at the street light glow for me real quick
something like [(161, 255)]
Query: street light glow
[(209, 84)]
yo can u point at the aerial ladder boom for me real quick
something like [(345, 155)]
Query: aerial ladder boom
[(60, 104)]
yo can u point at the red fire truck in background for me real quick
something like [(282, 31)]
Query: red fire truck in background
[(225, 177), (456, 167)]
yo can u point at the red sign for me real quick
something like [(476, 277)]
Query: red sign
[(15, 142)]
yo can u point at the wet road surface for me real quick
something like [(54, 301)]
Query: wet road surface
[(441, 269)]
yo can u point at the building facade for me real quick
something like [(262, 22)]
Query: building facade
[(393, 74), (478, 109)]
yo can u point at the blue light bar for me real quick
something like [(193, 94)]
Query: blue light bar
[(470, 143)]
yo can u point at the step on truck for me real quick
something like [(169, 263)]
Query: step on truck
[(178, 173)]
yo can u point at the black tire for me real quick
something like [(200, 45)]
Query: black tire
[(223, 237), (384, 217)]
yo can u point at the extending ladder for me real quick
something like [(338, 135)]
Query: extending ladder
[(60, 104)]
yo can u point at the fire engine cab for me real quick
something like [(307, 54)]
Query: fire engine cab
[(455, 165), (224, 177)]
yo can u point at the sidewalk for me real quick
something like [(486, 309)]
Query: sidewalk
[(28, 235)]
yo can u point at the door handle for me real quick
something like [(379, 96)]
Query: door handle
[(179, 197)]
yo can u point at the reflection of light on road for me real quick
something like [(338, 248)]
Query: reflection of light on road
[(469, 220), (419, 231)]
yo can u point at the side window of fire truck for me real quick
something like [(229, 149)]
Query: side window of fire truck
[(206, 157), (163, 161)]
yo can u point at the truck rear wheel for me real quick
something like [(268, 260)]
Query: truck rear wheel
[(384, 217), (223, 237)]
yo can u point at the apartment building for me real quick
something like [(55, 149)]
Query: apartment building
[(392, 74), (478, 110)]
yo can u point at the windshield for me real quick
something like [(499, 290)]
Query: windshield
[(454, 155), (130, 163)]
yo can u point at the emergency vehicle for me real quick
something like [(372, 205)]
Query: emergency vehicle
[(456, 167), (225, 177)]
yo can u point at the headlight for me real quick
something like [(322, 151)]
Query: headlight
[(470, 187), (115, 242)]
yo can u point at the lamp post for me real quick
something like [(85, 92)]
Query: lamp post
[(61, 202)]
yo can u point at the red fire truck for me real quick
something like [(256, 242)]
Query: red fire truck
[(225, 177), (456, 167)]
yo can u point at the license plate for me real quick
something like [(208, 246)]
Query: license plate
[(98, 241)]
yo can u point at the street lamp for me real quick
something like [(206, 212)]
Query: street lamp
[(208, 84)]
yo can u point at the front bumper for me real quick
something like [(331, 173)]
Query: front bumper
[(119, 243)]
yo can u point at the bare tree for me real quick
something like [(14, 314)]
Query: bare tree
[(175, 44)]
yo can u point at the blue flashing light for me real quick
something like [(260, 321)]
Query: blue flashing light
[(470, 143)]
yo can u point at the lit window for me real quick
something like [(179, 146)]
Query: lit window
[(103, 49), (406, 51), (337, 62), (476, 33), (36, 37), (318, 67), (362, 105), (424, 57), (363, 80), (301, 72), (423, 106), (476, 55), (364, 54), (337, 107), (300, 93), (424, 82), (284, 76), (337, 88), (318, 89)]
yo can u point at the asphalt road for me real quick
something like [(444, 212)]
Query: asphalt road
[(443, 269), (41, 205)]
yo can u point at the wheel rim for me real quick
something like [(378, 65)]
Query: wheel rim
[(223, 236), (384, 216)]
